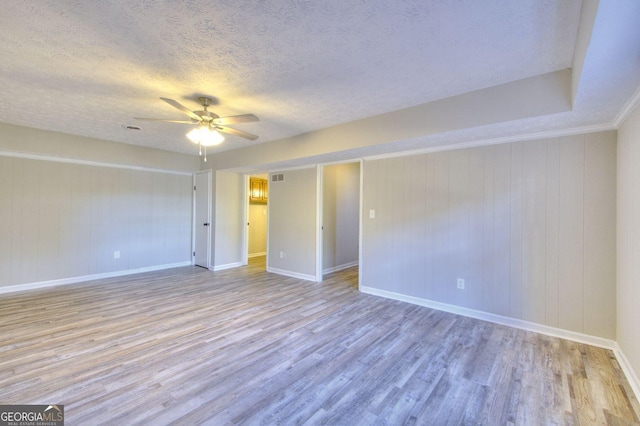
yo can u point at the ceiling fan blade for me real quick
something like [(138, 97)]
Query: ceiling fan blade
[(165, 121), (236, 132), (182, 108), (243, 118)]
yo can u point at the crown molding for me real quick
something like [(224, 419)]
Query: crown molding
[(40, 157), (628, 108), (497, 141)]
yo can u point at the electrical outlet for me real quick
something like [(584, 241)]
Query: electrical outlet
[(461, 283), (281, 255), (116, 255)]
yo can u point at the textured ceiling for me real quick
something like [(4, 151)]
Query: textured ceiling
[(88, 67)]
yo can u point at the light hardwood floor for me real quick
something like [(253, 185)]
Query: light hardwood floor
[(242, 346)]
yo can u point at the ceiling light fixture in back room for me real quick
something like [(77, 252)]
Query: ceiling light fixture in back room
[(209, 124)]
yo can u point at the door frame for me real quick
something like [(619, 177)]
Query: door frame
[(245, 220), (319, 221), (194, 224)]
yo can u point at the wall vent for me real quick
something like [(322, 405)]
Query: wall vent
[(277, 177)]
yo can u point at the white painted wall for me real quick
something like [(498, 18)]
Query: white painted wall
[(341, 203), (292, 224), (67, 203), (61, 146), (229, 193), (530, 226), (531, 97), (63, 220), (257, 229), (628, 260)]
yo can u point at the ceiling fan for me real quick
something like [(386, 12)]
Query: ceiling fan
[(209, 124)]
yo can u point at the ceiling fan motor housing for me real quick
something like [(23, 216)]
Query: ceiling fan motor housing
[(208, 120)]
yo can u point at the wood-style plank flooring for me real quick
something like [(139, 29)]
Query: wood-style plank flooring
[(243, 346)]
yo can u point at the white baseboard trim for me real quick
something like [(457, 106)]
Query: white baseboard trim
[(612, 345), (628, 370), (340, 267), (83, 278), (292, 274), (264, 253), (498, 319), (226, 266)]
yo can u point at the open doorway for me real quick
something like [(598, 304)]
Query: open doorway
[(257, 219), (340, 216)]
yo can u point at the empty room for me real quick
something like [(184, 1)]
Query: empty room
[(342, 212)]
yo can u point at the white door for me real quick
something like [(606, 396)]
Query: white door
[(202, 219)]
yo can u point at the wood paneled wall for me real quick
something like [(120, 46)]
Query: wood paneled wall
[(530, 226), (63, 220), (292, 223), (227, 217)]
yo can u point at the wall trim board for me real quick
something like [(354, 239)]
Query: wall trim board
[(628, 370), (226, 266), (596, 128), (85, 278), (340, 267), (498, 319), (292, 274), (319, 220), (91, 163), (360, 223), (264, 253)]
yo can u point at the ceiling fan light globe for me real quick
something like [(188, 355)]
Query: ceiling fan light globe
[(205, 136), (211, 138), (194, 136)]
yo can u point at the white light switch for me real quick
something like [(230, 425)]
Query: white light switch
[(372, 214)]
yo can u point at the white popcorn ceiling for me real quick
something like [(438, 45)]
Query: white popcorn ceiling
[(88, 67)]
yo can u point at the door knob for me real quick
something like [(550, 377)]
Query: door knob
[(205, 224)]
